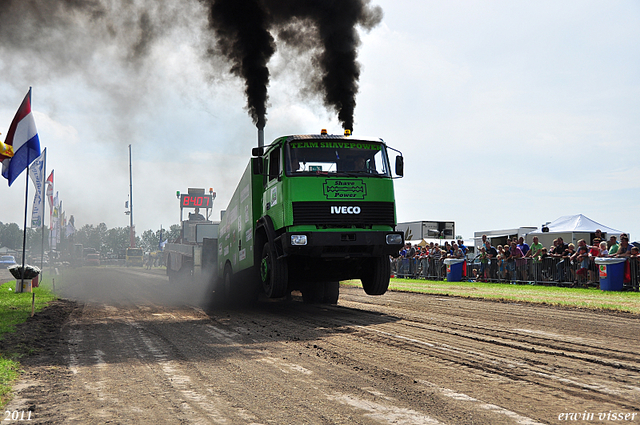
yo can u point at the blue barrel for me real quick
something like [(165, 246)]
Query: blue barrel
[(454, 269), (611, 272)]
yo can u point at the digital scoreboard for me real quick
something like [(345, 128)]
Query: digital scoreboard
[(196, 201)]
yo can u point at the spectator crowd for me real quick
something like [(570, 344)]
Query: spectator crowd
[(516, 261)]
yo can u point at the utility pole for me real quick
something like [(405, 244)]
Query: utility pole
[(132, 233)]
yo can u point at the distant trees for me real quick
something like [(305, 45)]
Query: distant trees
[(116, 241), (108, 242), (151, 240), (11, 236), (92, 237), (174, 233)]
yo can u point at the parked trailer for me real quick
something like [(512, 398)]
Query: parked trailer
[(309, 211)]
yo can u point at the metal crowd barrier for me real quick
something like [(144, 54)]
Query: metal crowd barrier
[(548, 271), (419, 268), (634, 273)]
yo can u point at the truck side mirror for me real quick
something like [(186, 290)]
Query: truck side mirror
[(400, 165), (257, 151), (257, 165)]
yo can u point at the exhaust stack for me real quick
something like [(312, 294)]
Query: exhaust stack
[(261, 137)]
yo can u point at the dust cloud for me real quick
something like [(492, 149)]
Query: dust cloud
[(133, 286)]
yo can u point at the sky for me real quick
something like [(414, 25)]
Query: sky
[(508, 113)]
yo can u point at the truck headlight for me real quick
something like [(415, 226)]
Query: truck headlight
[(297, 240), (394, 239)]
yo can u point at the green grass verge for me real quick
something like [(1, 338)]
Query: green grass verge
[(9, 372), (16, 309), (551, 295)]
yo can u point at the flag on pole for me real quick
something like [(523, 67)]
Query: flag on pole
[(50, 188), (71, 228), (54, 222), (22, 145), (36, 172), (54, 211), (50, 197), (59, 220)]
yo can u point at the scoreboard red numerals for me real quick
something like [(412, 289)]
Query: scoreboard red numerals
[(196, 201)]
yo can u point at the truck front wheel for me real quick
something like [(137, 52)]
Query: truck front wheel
[(375, 278), (273, 273)]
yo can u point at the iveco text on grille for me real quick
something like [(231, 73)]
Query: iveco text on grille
[(345, 210)]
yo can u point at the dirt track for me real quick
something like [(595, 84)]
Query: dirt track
[(126, 355)]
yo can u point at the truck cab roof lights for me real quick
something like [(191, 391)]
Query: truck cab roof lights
[(323, 131)]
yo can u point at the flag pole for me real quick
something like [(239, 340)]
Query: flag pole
[(24, 236), (132, 233), (44, 208), (51, 234)]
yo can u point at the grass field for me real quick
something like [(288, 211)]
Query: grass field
[(16, 309), (550, 295)]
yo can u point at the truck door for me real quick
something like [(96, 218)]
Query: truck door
[(272, 200)]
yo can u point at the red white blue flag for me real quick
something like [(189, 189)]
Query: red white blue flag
[(22, 145)]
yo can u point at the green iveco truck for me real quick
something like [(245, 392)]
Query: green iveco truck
[(311, 210)]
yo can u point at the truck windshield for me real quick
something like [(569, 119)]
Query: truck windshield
[(339, 156)]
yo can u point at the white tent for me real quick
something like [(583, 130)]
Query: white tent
[(571, 228)]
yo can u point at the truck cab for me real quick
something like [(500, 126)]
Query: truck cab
[(133, 257), (323, 209)]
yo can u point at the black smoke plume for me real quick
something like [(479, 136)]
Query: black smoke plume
[(243, 29), (71, 36)]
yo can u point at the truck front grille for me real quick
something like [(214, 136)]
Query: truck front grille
[(343, 213)]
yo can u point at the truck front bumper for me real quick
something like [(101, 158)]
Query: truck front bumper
[(342, 244)]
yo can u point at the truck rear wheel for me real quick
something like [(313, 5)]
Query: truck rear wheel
[(375, 280), (273, 273), (312, 293), (225, 287)]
